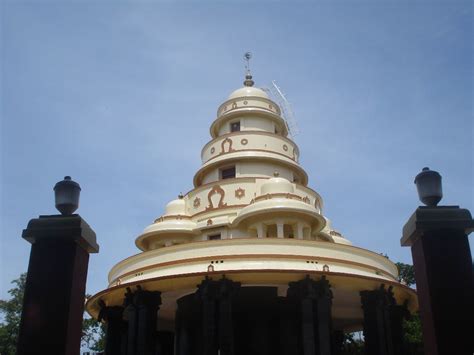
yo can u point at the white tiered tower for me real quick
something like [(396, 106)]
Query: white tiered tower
[(252, 218)]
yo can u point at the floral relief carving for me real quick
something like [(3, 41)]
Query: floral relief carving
[(225, 142), (197, 202), (239, 193), (216, 189)]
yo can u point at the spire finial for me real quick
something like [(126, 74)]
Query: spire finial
[(248, 77)]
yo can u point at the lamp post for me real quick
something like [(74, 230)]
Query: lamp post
[(442, 260), (53, 304)]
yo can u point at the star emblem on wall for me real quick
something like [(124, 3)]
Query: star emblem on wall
[(239, 193)]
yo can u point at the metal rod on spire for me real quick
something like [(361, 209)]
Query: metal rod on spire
[(247, 57), (248, 77)]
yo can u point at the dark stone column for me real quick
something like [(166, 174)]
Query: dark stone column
[(131, 316), (444, 280), (147, 303), (179, 331), (141, 311), (216, 310), (227, 291), (397, 314), (383, 321), (337, 342), (165, 343), (323, 314), (184, 327), (53, 303), (315, 300), (115, 329), (307, 325), (207, 293), (375, 323), (288, 337)]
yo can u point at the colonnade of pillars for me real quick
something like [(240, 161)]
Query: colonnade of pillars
[(223, 318), (298, 230), (132, 328)]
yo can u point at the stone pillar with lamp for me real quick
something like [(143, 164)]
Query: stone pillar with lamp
[(54, 298)]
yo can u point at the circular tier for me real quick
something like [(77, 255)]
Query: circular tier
[(175, 271), (251, 253), (250, 141), (255, 111), (241, 158)]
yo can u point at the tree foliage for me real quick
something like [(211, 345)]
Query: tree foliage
[(353, 344), (93, 334), (10, 311), (413, 334), (406, 273)]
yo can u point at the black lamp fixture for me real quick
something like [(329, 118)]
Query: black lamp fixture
[(428, 184), (66, 193)]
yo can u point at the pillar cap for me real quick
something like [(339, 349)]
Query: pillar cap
[(427, 219), (62, 228)]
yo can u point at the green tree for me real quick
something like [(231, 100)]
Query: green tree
[(93, 334), (406, 273), (11, 316), (412, 326)]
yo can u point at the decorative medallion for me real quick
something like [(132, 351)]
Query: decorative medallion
[(239, 193), (245, 102), (216, 189), (285, 147), (306, 200), (226, 142), (270, 107), (244, 141), (209, 222), (326, 268), (213, 150), (210, 268), (234, 105), (197, 202), (294, 154)]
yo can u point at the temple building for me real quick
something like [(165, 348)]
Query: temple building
[(246, 262)]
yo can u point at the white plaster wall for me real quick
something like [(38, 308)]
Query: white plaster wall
[(250, 123), (211, 176), (247, 123), (260, 169)]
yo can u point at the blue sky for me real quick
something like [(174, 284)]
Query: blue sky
[(120, 96)]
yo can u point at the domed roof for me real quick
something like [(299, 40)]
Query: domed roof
[(248, 91), (277, 185), (176, 207)]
